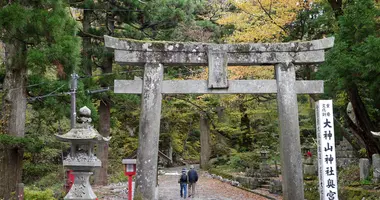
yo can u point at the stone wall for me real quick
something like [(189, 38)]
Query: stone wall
[(345, 154)]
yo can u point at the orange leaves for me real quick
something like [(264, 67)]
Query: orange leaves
[(260, 20)]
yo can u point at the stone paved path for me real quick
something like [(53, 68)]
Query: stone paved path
[(207, 189)]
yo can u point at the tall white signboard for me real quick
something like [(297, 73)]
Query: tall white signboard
[(328, 182)]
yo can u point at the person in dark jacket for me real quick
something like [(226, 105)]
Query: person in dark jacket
[(193, 178), (183, 180)]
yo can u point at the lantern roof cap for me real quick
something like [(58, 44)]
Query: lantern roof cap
[(83, 131)]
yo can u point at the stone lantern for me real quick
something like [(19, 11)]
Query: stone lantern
[(81, 158), (264, 166)]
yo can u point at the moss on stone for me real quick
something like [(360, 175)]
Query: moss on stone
[(358, 193), (311, 190)]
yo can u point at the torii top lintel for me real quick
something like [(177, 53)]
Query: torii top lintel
[(135, 52)]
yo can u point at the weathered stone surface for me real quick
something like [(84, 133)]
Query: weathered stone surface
[(309, 170), (205, 138), (235, 87), (364, 168), (376, 168), (217, 67), (169, 53), (81, 189), (275, 187), (136, 45), (234, 59), (85, 111), (345, 155), (147, 154), (290, 145)]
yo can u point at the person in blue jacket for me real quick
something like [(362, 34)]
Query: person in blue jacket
[(193, 178), (183, 180)]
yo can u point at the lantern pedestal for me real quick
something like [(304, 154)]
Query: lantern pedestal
[(81, 189)]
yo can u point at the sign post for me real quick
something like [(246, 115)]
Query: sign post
[(130, 171), (328, 182)]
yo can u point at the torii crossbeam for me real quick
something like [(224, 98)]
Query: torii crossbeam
[(153, 55)]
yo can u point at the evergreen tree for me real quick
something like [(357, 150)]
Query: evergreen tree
[(352, 69), (37, 35)]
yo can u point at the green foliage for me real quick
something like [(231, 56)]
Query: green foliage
[(358, 193), (118, 177), (221, 172), (315, 21), (32, 172), (53, 180), (355, 57), (48, 30), (311, 190), (362, 153), (349, 175), (36, 194), (241, 161), (28, 143)]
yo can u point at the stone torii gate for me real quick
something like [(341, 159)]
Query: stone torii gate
[(153, 55)]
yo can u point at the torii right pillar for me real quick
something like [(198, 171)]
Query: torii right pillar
[(290, 145)]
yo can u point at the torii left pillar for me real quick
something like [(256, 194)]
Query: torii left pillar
[(150, 117)]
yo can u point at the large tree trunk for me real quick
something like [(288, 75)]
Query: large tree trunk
[(205, 141), (86, 51), (100, 176), (364, 125), (12, 119), (245, 127)]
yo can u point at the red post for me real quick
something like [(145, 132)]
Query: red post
[(129, 187), (69, 180), (130, 170)]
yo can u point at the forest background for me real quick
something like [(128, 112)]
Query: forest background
[(45, 41)]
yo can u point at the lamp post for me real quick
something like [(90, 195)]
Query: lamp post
[(130, 170)]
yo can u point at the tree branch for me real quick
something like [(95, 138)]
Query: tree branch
[(82, 34), (270, 17), (207, 115)]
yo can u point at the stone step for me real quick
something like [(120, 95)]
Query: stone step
[(345, 154), (266, 186)]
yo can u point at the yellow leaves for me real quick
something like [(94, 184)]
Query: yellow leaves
[(240, 73), (251, 72), (260, 20)]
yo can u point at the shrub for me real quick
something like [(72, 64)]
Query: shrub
[(36, 194)]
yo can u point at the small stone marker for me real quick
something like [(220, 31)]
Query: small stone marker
[(376, 168), (364, 168)]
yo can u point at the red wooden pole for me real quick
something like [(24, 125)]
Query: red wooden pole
[(129, 187)]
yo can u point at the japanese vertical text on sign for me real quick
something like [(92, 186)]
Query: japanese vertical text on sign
[(328, 184)]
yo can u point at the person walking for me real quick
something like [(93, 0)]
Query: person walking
[(183, 180), (193, 178)]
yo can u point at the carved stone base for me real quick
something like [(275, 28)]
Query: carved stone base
[(81, 189)]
